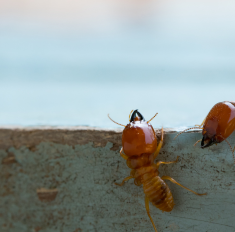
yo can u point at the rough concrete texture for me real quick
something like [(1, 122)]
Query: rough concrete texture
[(50, 186)]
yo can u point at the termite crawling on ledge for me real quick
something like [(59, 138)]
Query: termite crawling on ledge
[(140, 149), (218, 125)]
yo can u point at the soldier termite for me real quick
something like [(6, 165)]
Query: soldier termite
[(140, 149)]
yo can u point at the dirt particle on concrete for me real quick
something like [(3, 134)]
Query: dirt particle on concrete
[(47, 195)]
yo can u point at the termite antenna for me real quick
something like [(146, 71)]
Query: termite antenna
[(152, 118), (115, 122), (130, 115), (231, 149), (197, 142), (187, 130)]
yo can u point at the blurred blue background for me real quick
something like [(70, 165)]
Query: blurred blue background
[(72, 62)]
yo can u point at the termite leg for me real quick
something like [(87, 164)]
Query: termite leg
[(161, 162), (232, 149), (173, 181), (201, 124), (147, 209), (124, 180), (125, 157), (159, 146), (197, 142)]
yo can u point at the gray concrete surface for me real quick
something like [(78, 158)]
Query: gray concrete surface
[(63, 180)]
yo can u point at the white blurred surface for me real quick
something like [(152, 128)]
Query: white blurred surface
[(72, 62)]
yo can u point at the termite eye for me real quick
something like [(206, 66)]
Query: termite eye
[(136, 116)]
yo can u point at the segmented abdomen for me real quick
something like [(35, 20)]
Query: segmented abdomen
[(158, 193), (145, 172)]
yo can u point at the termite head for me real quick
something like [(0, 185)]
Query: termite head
[(210, 134), (138, 137), (219, 124)]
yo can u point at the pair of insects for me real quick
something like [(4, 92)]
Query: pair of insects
[(140, 149)]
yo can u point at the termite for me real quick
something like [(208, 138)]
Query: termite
[(140, 149), (218, 125)]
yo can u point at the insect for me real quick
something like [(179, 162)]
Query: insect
[(140, 149), (218, 125)]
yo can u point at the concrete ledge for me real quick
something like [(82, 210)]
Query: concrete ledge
[(62, 179)]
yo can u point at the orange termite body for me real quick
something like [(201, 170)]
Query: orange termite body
[(140, 148), (219, 123), (139, 143)]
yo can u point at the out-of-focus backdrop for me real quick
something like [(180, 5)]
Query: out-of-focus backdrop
[(73, 62)]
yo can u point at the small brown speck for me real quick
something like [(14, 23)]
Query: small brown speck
[(47, 195), (37, 229), (78, 230), (10, 159)]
